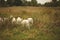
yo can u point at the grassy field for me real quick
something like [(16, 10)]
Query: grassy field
[(46, 23)]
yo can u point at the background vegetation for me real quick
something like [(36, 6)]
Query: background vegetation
[(46, 23), (6, 3)]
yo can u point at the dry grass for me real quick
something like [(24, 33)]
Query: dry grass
[(46, 23)]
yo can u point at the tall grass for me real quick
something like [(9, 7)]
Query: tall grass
[(46, 24)]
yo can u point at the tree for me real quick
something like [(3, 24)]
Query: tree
[(33, 2), (23, 2), (2, 2), (58, 3), (54, 2), (18, 2), (9, 2)]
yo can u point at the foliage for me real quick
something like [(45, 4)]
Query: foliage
[(53, 3), (33, 2)]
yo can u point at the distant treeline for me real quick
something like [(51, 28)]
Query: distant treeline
[(5, 3)]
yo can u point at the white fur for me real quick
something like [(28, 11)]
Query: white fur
[(1, 20), (19, 20), (13, 20), (30, 20), (25, 23)]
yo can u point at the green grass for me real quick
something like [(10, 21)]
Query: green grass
[(46, 23)]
